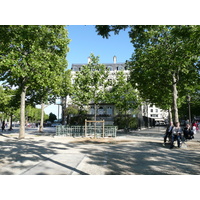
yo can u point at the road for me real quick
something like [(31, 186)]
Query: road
[(136, 153)]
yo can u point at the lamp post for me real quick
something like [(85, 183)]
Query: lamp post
[(188, 99), (58, 102)]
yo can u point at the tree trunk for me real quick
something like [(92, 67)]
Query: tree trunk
[(22, 114), (175, 97), (63, 104), (95, 119), (170, 115), (10, 121), (42, 118)]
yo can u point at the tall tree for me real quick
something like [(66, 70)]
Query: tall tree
[(66, 89), (122, 94), (164, 65), (32, 57), (162, 54), (9, 102), (91, 83)]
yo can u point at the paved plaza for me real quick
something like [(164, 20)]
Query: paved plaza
[(136, 153)]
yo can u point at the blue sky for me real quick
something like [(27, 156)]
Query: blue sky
[(84, 41)]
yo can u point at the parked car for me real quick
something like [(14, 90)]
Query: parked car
[(55, 124), (162, 123)]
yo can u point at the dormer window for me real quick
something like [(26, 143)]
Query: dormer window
[(109, 68)]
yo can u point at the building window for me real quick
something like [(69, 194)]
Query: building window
[(109, 110), (153, 115), (92, 110), (100, 111), (151, 110), (156, 110), (109, 68), (75, 69), (121, 68)]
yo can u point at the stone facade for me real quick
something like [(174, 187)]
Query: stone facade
[(108, 110)]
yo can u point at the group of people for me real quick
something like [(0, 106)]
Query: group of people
[(176, 132)]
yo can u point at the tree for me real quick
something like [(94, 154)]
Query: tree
[(66, 90), (71, 110), (91, 83), (123, 95), (164, 65), (9, 102), (52, 117), (168, 65), (32, 57)]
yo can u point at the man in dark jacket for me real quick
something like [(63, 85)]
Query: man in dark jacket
[(168, 132)]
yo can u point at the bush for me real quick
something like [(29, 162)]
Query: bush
[(78, 120), (126, 122)]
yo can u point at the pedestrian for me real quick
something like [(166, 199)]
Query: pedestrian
[(3, 126), (168, 132), (196, 124), (188, 132), (176, 135), (194, 128)]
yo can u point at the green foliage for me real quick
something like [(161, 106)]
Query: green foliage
[(52, 117), (90, 83), (163, 59), (122, 94), (33, 54), (34, 114), (160, 52), (72, 109), (33, 58), (65, 84), (104, 30), (9, 100), (124, 121), (78, 120)]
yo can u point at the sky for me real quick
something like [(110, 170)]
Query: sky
[(84, 41)]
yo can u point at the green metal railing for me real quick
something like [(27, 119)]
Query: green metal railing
[(91, 131)]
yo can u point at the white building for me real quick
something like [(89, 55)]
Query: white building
[(151, 111), (108, 109)]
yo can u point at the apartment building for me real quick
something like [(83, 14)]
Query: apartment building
[(109, 109)]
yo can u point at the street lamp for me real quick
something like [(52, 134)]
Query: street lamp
[(58, 102)]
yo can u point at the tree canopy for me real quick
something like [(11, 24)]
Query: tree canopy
[(90, 83), (165, 62), (32, 57)]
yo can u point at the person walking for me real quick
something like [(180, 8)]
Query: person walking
[(3, 126)]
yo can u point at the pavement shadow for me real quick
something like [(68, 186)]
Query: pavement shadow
[(144, 158), (30, 151)]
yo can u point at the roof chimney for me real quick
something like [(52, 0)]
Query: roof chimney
[(114, 59)]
